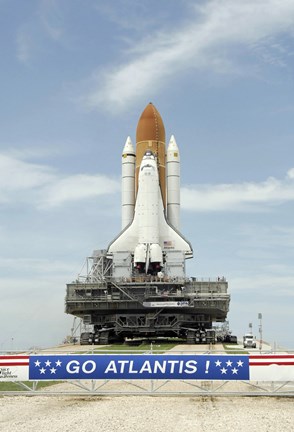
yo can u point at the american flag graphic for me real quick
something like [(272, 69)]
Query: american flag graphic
[(168, 244), (271, 367), (14, 368)]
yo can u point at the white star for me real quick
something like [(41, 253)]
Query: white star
[(240, 363), (58, 363), (53, 370), (223, 371), (48, 363), (229, 363), (37, 363), (42, 371), (234, 371), (218, 363)]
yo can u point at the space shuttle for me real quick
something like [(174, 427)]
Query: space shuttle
[(151, 201)]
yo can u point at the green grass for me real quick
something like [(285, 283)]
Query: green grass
[(12, 386), (232, 349), (135, 349)]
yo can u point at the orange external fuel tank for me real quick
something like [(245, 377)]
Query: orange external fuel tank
[(150, 135)]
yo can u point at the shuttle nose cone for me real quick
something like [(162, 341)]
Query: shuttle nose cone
[(150, 125)]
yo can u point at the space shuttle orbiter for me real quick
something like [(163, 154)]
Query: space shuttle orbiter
[(151, 199)]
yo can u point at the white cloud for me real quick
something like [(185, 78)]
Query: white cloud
[(266, 238), (23, 45), (216, 27), (40, 150), (42, 186), (274, 285), (48, 21), (77, 187), (51, 18), (290, 174), (239, 197), (16, 175)]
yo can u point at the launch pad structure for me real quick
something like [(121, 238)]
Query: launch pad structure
[(138, 287)]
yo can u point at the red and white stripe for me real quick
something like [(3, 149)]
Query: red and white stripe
[(272, 367), (14, 360), (274, 359), (14, 368)]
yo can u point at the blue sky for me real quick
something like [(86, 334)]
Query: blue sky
[(75, 77)]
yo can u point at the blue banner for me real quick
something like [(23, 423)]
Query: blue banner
[(139, 366)]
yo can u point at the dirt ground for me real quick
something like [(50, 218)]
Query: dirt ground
[(145, 413)]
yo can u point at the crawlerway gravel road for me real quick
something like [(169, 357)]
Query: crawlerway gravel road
[(145, 413)]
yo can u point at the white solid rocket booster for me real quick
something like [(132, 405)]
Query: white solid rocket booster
[(128, 183), (173, 183)]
